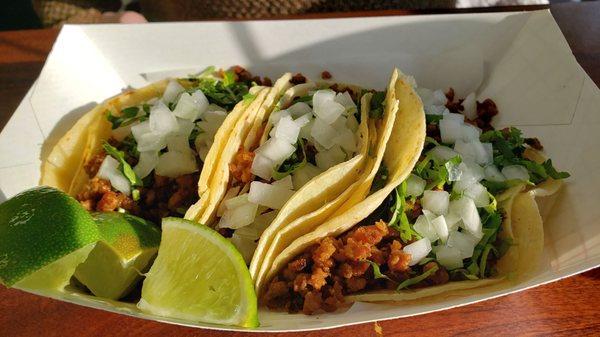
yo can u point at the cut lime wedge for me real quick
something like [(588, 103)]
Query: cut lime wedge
[(199, 276), (44, 235), (128, 245)]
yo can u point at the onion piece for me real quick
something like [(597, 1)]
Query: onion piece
[(109, 170), (231, 193), (277, 150), (449, 257), (299, 109), (346, 101), (320, 97), (493, 174), (268, 195), (329, 111), (286, 129), (442, 153), (147, 163), (262, 221), (450, 129), (139, 129), (436, 201), (479, 194), (330, 158), (347, 140), (452, 221), (470, 132), (415, 185), (178, 143), (262, 167), (352, 123), (162, 120), (239, 212), (418, 250), (463, 242), (285, 183), (465, 208), (516, 172), (439, 97), (303, 120), (121, 132), (174, 164), (440, 227), (151, 141), (425, 229), (245, 245), (306, 130), (277, 115), (172, 90), (470, 105), (303, 175), (323, 133)]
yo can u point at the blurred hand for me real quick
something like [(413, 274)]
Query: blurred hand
[(123, 17)]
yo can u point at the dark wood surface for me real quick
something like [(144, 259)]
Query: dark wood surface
[(570, 307)]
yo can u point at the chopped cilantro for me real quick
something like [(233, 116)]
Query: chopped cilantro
[(376, 271), (128, 116), (433, 119), (377, 105), (380, 179), (296, 161), (399, 220), (124, 166), (417, 279), (248, 98)]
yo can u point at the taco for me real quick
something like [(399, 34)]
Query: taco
[(464, 220), (141, 151), (316, 139)]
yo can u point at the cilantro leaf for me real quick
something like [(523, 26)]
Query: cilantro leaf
[(376, 271), (552, 171), (248, 98), (124, 166), (296, 161), (417, 279), (377, 105), (433, 119), (399, 220)]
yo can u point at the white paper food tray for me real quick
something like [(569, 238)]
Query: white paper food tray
[(520, 60)]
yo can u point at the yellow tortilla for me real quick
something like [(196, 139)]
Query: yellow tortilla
[(64, 166), (402, 151)]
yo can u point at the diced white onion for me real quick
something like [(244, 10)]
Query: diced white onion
[(231, 193), (147, 163), (173, 164), (352, 123), (262, 167), (211, 121), (493, 174), (346, 101), (304, 175), (516, 172), (245, 245), (455, 117), (475, 151), (138, 130), (440, 227), (470, 106), (442, 153), (162, 120), (439, 97), (329, 158), (303, 120), (415, 185), (299, 109), (418, 250), (463, 242), (425, 229), (470, 132), (329, 111), (436, 201), (109, 170), (451, 129), (465, 208), (122, 132), (479, 194), (239, 212), (178, 143), (347, 140), (268, 195), (276, 149), (151, 141), (449, 257), (306, 130), (452, 221), (454, 172), (322, 96), (185, 127), (172, 91), (436, 110), (286, 129), (262, 221), (285, 182), (186, 108), (277, 115), (323, 133)]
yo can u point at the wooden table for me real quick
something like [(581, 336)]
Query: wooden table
[(568, 307)]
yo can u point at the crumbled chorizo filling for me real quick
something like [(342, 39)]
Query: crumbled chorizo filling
[(161, 197), (318, 279), (241, 165)]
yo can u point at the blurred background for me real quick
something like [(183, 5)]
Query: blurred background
[(31, 14)]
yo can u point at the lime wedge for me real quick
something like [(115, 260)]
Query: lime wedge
[(199, 276), (44, 235), (128, 245)]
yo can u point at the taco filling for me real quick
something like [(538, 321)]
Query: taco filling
[(149, 167), (442, 224), (308, 135)]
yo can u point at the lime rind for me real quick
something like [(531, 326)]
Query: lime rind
[(39, 227), (198, 275)]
